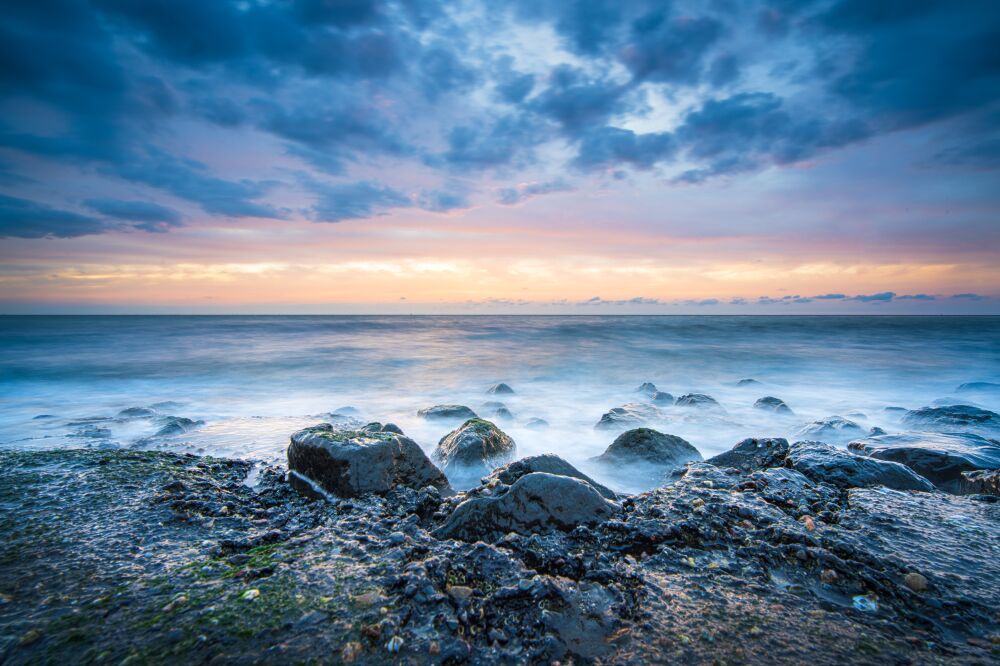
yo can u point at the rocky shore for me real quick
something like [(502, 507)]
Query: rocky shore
[(364, 552)]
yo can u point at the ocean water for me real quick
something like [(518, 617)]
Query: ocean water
[(253, 380)]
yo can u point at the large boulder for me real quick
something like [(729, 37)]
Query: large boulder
[(825, 464), (662, 398), (699, 400), (748, 382), (500, 389), (536, 502), (753, 454), (349, 463), (646, 446), (629, 415), (771, 404), (950, 418), (939, 457), (835, 429), (647, 389), (980, 482), (548, 463), (447, 413), (474, 449)]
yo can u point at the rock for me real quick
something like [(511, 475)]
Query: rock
[(979, 387), (548, 463), (347, 410), (825, 464), (500, 389), (662, 398), (699, 400), (939, 457), (136, 413), (748, 382), (772, 404), (647, 389), (875, 431), (474, 449), (980, 482), (649, 447), (629, 415), (535, 503), (536, 423), (915, 582), (492, 405), (351, 463), (753, 454), (503, 414), (392, 427), (833, 429), (447, 412), (951, 417), (177, 425)]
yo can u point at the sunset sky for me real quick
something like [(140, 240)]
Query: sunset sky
[(607, 156)]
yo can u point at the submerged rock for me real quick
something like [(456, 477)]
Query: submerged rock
[(136, 413), (772, 404), (748, 382), (649, 447), (535, 503), (753, 454), (500, 389), (647, 389), (177, 425), (832, 429), (548, 463), (662, 398), (447, 412), (629, 415), (699, 400), (939, 457), (536, 423), (349, 463), (474, 449), (950, 417), (503, 414), (980, 482), (824, 463)]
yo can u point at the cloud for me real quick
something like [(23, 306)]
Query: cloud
[(702, 302), (638, 300), (830, 297), (351, 201), (607, 147), (511, 196), (968, 297), (916, 297), (881, 297), (143, 215), (442, 201), (670, 50), (20, 218)]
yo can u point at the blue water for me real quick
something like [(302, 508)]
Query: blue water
[(253, 380)]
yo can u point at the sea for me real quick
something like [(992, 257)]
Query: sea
[(239, 386)]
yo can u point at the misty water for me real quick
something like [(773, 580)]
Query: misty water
[(253, 380)]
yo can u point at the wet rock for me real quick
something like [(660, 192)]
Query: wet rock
[(474, 449), (392, 427), (535, 503), (952, 417), (629, 415), (748, 382), (136, 413), (548, 463), (662, 398), (500, 389), (753, 454), (833, 429), (826, 464), (916, 582), (647, 389), (493, 405), (347, 410), (980, 482), (649, 447), (177, 425), (536, 423), (772, 404), (447, 412), (699, 400), (940, 457), (875, 431), (351, 463), (503, 414), (979, 387)]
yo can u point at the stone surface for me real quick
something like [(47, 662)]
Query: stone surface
[(474, 449), (536, 423), (500, 389), (647, 389), (824, 463), (548, 463), (352, 463), (629, 415), (661, 398), (951, 418), (535, 503), (753, 454), (832, 429), (939, 457), (699, 400), (772, 404), (447, 413), (649, 447), (980, 482)]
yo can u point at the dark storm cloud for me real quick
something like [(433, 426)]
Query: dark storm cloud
[(20, 218), (576, 101)]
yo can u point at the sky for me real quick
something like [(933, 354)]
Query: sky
[(535, 156)]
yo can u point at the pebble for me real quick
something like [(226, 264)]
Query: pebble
[(350, 652), (397, 538), (828, 576), (460, 592), (394, 644), (865, 604), (29, 637), (250, 594), (808, 523), (915, 582)]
